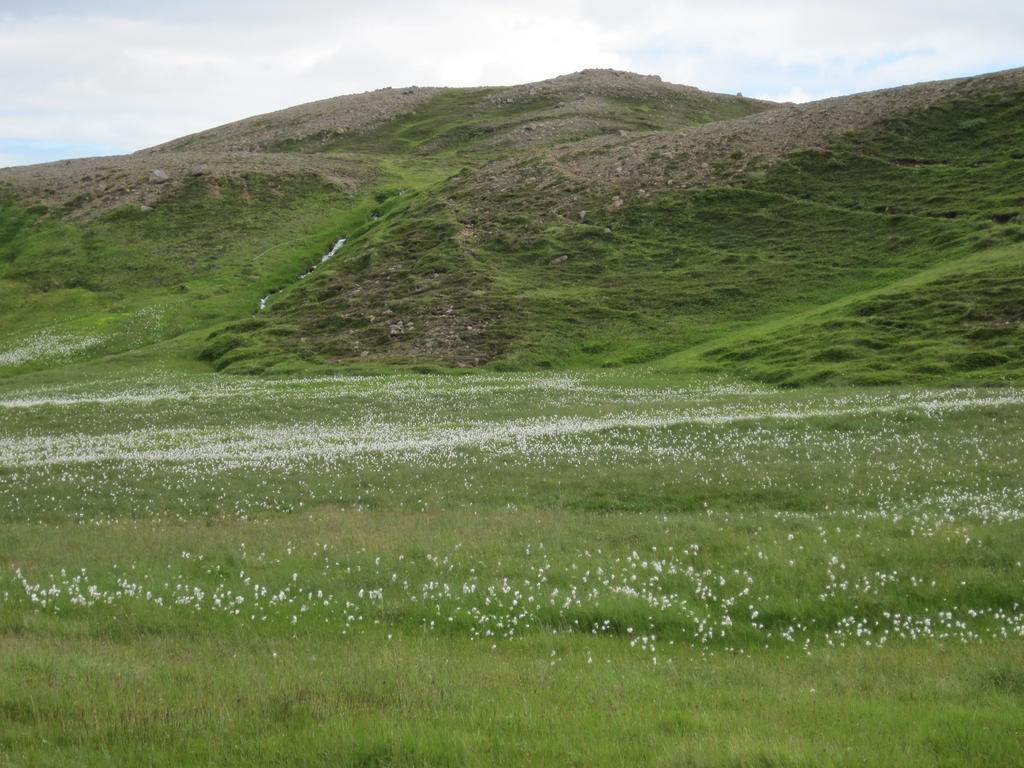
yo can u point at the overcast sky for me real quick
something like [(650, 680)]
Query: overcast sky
[(84, 78)]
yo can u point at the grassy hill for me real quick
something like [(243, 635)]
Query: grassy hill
[(594, 220), (604, 549)]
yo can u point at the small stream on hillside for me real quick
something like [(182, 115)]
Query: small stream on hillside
[(327, 256)]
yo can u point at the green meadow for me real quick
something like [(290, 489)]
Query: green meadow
[(579, 450), (508, 569)]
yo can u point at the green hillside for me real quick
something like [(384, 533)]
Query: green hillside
[(601, 219), (735, 479)]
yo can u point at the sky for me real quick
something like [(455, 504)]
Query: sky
[(81, 78)]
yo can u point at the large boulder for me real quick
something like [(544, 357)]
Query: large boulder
[(158, 176)]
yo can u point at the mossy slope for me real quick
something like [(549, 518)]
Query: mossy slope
[(479, 237)]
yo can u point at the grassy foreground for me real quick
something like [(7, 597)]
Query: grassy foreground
[(599, 569)]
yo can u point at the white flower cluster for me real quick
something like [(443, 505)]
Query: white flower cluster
[(47, 345), (677, 599)]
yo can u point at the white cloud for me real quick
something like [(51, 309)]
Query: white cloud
[(122, 74), (795, 95)]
